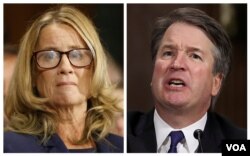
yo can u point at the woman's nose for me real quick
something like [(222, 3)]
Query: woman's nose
[(65, 66)]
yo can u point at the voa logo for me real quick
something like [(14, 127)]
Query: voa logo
[(236, 147)]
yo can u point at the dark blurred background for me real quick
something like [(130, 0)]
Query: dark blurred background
[(108, 19), (232, 102)]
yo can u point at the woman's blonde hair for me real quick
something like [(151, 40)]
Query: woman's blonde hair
[(26, 112)]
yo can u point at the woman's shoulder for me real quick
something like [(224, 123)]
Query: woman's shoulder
[(10, 137), (116, 139), (20, 143), (111, 144)]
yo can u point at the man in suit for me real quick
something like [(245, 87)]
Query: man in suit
[(192, 56)]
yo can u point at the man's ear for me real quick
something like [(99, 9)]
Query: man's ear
[(217, 82)]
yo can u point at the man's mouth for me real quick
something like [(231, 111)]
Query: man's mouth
[(176, 83)]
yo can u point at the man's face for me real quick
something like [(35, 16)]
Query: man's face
[(182, 76)]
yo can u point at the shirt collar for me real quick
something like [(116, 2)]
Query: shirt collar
[(162, 129)]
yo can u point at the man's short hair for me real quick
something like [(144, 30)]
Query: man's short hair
[(214, 31)]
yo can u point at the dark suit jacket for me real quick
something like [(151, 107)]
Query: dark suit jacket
[(23, 143), (141, 136)]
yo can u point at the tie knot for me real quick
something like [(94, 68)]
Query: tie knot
[(176, 137)]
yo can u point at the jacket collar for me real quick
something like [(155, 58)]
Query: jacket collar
[(212, 135), (145, 139), (145, 132), (56, 145)]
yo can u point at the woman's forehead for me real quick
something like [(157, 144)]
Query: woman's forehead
[(59, 36)]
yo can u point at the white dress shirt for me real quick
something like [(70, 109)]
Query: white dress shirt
[(187, 145)]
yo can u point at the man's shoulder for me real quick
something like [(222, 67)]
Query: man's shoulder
[(134, 116), (230, 130), (141, 132), (138, 121), (20, 143)]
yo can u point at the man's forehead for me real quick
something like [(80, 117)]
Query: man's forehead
[(185, 35)]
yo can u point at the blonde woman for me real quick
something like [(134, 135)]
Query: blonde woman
[(60, 98)]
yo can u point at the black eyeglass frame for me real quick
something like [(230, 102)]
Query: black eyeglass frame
[(34, 55)]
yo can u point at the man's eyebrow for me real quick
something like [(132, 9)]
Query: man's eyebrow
[(168, 46), (173, 46), (195, 49)]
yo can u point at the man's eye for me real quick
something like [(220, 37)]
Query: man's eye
[(168, 53), (196, 56)]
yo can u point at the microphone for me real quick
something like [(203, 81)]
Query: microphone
[(197, 135)]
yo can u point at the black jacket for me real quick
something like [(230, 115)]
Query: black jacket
[(141, 136)]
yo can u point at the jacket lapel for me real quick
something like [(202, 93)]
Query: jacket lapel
[(55, 145), (212, 135), (144, 139)]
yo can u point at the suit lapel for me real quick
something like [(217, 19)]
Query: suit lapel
[(212, 135), (144, 139)]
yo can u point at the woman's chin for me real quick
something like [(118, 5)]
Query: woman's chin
[(68, 100)]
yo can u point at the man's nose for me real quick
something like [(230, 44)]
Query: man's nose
[(65, 66), (178, 62)]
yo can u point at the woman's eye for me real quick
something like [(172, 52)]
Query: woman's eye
[(50, 56), (46, 56), (76, 55)]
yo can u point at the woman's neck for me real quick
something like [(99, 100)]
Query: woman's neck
[(72, 125)]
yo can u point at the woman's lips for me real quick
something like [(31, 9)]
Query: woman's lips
[(65, 83)]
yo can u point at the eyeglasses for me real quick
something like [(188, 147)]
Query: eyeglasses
[(49, 59)]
